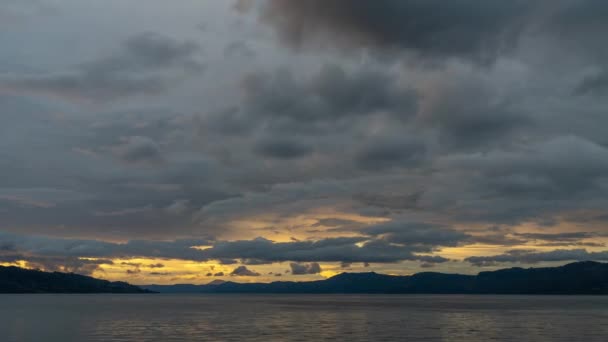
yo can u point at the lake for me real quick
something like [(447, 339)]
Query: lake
[(66, 318)]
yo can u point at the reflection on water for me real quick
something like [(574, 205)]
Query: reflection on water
[(65, 318)]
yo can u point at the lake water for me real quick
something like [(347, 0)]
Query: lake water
[(83, 318)]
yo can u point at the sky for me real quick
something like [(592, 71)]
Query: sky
[(260, 140)]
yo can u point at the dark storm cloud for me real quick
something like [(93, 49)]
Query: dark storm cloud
[(575, 239), (468, 29), (558, 236), (557, 167), (497, 240), (282, 149), (301, 269), (56, 263), (532, 257), (15, 12), (333, 93), (386, 153), (328, 250), (417, 234), (581, 25), (594, 85), (462, 28), (530, 182), (389, 201), (333, 222), (138, 149), (146, 64), (239, 49), (243, 271), (261, 250), (468, 113)]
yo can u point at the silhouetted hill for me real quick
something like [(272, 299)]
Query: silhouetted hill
[(576, 278), (19, 280)]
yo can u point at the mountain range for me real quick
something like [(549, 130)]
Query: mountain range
[(576, 278)]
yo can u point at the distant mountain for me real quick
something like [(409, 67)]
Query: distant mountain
[(183, 288), (19, 280), (577, 278)]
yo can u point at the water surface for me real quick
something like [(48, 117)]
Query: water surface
[(66, 318)]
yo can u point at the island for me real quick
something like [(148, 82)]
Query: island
[(19, 280)]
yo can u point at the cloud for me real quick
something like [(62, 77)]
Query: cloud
[(301, 269), (470, 30), (558, 236), (327, 250), (178, 207), (386, 153), (243, 271), (593, 85), (532, 257), (239, 49), (138, 149), (283, 100), (417, 234), (461, 28), (66, 264), (282, 149), (14, 12), (146, 64), (261, 250)]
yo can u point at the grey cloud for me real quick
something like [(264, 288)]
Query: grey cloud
[(19, 11), (243, 271), (563, 164), (301, 269), (146, 64), (239, 49), (593, 85), (580, 239), (178, 207), (417, 233), (469, 112), (388, 200), (282, 149), (334, 222), (138, 149), (227, 261), (328, 250), (462, 28), (532, 257), (386, 153), (558, 236), (580, 25), (67, 264), (262, 250), (479, 31), (331, 94), (497, 240)]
